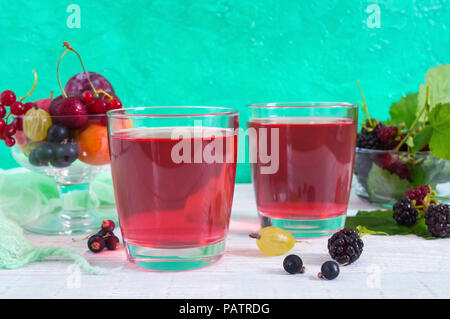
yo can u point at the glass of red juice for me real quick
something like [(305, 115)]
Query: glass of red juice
[(302, 158), (173, 172)]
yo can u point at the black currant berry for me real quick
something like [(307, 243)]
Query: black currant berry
[(33, 159), (96, 243), (112, 243), (108, 225), (329, 270), (65, 154), (293, 264), (57, 133), (45, 152)]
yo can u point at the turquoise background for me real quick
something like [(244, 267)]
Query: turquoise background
[(226, 52)]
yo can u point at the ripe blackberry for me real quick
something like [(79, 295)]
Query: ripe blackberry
[(437, 219), (418, 194), (345, 246), (404, 212), (393, 163), (386, 135), (369, 139)]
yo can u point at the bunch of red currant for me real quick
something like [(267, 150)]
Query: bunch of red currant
[(100, 103), (16, 108)]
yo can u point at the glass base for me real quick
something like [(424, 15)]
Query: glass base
[(62, 223), (174, 259), (308, 228)]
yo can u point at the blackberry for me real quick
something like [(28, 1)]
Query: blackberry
[(437, 219), (369, 139), (386, 135), (404, 212), (345, 246), (418, 194)]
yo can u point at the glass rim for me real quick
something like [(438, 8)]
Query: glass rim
[(371, 151), (304, 104), (89, 116), (221, 111)]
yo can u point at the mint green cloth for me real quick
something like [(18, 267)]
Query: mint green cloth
[(25, 195), (16, 251)]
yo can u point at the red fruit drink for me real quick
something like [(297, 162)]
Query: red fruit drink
[(165, 204), (314, 177)]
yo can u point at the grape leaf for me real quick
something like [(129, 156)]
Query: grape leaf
[(438, 79), (421, 139), (381, 184), (440, 122), (404, 110), (382, 221)]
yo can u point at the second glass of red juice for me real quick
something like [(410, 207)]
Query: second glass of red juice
[(302, 158), (173, 171)]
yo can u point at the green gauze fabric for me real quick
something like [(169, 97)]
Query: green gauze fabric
[(24, 195), (16, 251)]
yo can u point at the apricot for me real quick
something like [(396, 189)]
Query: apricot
[(93, 145)]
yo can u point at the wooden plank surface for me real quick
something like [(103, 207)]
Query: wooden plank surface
[(390, 267)]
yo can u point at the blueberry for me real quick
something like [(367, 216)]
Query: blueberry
[(329, 270), (57, 133), (293, 264), (65, 154), (45, 152)]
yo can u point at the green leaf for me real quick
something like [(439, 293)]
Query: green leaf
[(422, 138), (440, 122), (381, 221), (438, 79), (438, 145), (382, 184), (404, 111), (417, 175)]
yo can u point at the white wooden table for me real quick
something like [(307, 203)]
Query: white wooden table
[(390, 267)]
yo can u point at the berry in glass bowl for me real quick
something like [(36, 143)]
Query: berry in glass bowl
[(62, 139), (408, 150)]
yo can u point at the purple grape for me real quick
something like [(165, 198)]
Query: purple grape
[(78, 83)]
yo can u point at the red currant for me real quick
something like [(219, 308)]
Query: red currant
[(115, 104), (108, 102), (2, 125), (27, 106), (2, 111), (87, 97), (10, 141), (9, 130), (7, 97), (98, 107), (17, 108), (18, 123)]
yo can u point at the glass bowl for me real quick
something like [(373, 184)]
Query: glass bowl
[(73, 151), (381, 177)]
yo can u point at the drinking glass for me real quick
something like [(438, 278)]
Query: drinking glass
[(173, 172), (302, 158)]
